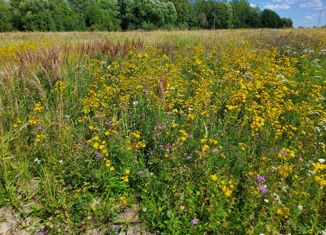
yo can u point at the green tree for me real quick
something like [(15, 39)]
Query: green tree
[(5, 16), (150, 14), (102, 15), (65, 18), (35, 15), (185, 13), (287, 23), (127, 17), (270, 19)]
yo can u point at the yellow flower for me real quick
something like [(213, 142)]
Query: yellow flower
[(321, 179), (96, 146), (38, 107), (213, 177), (283, 212), (285, 170), (319, 167), (125, 178), (124, 201), (205, 147)]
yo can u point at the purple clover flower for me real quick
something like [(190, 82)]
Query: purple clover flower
[(98, 155), (194, 222), (263, 189), (39, 127), (216, 150), (261, 179)]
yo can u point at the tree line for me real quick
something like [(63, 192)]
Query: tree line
[(114, 15)]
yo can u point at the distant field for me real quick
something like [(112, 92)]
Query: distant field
[(165, 132)]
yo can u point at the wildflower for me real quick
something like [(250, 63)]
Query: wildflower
[(261, 179), (136, 134), (188, 158), (60, 86), (38, 108), (205, 147), (283, 212), (125, 179), (194, 222), (215, 150), (300, 207), (321, 179), (98, 155), (36, 160), (96, 146), (124, 201), (285, 170), (321, 160), (135, 103), (319, 167), (263, 189), (242, 146), (213, 177)]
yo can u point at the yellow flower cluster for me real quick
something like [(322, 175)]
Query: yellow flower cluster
[(227, 188)]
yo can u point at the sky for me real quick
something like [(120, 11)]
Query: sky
[(306, 13)]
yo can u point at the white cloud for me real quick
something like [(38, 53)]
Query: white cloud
[(284, 1), (253, 5), (311, 17), (283, 6), (316, 4)]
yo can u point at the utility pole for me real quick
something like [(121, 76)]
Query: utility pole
[(319, 17)]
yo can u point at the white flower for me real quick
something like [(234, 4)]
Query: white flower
[(38, 161), (61, 161), (300, 207), (321, 160), (135, 103), (266, 200)]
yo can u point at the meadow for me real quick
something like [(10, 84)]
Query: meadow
[(183, 132)]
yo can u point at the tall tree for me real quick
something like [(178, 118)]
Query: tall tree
[(185, 13), (287, 23), (5, 16), (270, 19), (35, 15)]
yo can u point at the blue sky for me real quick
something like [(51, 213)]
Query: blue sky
[(305, 13)]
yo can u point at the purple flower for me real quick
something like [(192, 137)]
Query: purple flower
[(39, 126), (194, 222), (140, 173), (282, 152), (216, 150), (98, 155), (261, 179), (263, 189), (99, 116), (188, 158)]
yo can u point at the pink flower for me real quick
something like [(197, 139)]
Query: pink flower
[(194, 222), (263, 189), (261, 179)]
